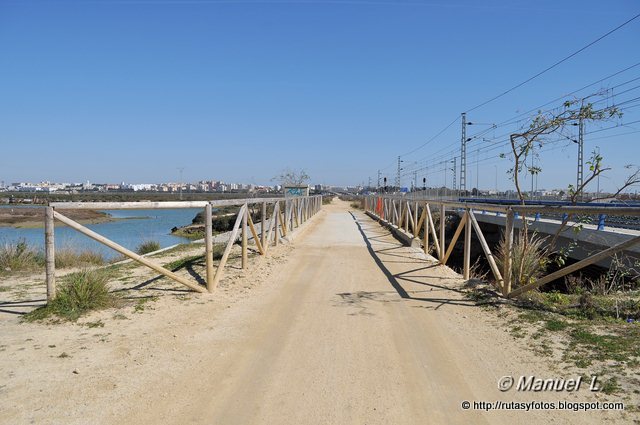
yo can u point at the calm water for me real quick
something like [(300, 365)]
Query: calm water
[(150, 225)]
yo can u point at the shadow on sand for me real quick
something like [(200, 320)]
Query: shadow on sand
[(454, 294)]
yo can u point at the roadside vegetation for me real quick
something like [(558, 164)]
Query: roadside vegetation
[(588, 319), (88, 289), (20, 257), (191, 232), (147, 247), (69, 258), (528, 259), (79, 293), (587, 322)]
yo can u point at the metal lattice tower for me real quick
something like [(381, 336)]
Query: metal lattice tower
[(454, 161), (398, 175), (378, 179), (580, 176), (463, 155)]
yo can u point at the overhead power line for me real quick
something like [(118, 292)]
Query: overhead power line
[(537, 108), (554, 65), (431, 139)]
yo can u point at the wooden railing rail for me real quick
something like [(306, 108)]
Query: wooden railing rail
[(411, 216), (297, 210)]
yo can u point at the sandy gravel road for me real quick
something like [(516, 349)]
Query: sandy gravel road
[(344, 326), (358, 329)]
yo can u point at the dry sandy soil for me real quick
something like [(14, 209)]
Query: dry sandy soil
[(343, 325)]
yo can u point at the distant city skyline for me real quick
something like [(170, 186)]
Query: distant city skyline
[(220, 186), (134, 91)]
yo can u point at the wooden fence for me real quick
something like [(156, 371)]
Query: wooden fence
[(287, 214), (411, 216)]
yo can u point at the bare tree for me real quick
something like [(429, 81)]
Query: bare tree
[(289, 177), (536, 134), (631, 180), (554, 122)]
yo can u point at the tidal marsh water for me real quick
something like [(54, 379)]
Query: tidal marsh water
[(133, 228)]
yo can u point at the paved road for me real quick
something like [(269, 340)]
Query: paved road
[(357, 330)]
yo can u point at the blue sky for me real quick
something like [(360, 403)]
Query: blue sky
[(112, 91)]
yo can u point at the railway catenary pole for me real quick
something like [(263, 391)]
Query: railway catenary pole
[(463, 155), (454, 162), (580, 173)]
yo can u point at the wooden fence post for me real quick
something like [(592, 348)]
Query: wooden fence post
[(410, 220), (454, 239), (284, 222), (407, 212), (443, 215), (396, 215), (392, 211), (294, 213), (208, 246), (415, 221), (276, 214), (244, 237), (426, 230), (467, 246), (432, 228), (487, 251), (508, 237), (50, 256), (269, 228), (305, 205), (263, 226), (227, 250)]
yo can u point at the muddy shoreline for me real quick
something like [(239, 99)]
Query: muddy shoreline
[(27, 217)]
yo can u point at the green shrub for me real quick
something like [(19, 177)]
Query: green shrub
[(189, 232), (19, 256), (147, 247), (529, 260), (79, 292)]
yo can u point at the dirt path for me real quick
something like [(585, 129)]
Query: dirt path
[(352, 328), (339, 340)]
